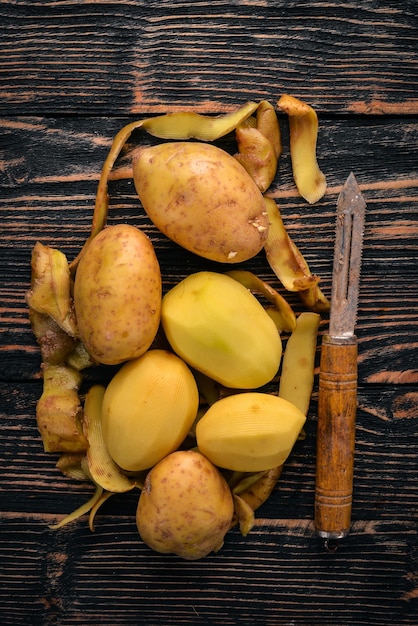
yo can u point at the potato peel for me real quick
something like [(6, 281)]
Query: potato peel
[(103, 469), (50, 287), (297, 376), (288, 263), (80, 511), (259, 145), (303, 126), (282, 313)]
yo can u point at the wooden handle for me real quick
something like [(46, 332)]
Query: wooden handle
[(337, 404)]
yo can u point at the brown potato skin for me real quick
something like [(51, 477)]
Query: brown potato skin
[(185, 507), (117, 295), (203, 199)]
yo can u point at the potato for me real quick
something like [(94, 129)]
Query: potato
[(148, 408), (186, 506), (218, 327), (203, 199), (249, 432), (117, 295)]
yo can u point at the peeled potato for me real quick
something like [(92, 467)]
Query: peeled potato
[(148, 409), (249, 432), (117, 295), (203, 199), (218, 327)]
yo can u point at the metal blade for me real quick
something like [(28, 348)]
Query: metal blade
[(347, 259)]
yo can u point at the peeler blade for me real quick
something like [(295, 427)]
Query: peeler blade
[(347, 259)]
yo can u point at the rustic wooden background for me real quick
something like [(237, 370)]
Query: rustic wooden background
[(72, 73)]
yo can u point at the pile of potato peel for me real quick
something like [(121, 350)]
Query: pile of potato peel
[(216, 206)]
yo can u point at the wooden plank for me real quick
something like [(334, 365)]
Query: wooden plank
[(103, 57), (278, 574), (385, 465), (110, 577), (49, 177), (72, 73)]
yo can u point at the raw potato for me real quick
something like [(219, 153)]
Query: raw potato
[(148, 409), (249, 432), (203, 199), (186, 506), (117, 295), (218, 327)]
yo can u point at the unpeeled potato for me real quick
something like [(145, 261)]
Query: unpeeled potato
[(185, 507), (203, 199), (117, 295)]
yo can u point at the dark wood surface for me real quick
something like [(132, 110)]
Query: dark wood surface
[(71, 75)]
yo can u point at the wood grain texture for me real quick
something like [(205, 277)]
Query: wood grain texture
[(73, 572), (279, 574), (72, 73), (110, 58), (50, 173), (336, 434), (384, 474)]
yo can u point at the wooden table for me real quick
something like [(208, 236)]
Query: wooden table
[(72, 74)]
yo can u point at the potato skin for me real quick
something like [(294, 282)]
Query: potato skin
[(203, 199), (186, 506), (117, 295)]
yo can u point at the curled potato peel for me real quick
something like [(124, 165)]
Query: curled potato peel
[(103, 469), (303, 125), (91, 506), (54, 343), (250, 491), (282, 314), (283, 256), (259, 145), (81, 510), (50, 287), (71, 465), (190, 125), (244, 514), (59, 411), (288, 263), (257, 488), (314, 299)]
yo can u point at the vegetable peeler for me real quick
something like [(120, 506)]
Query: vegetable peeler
[(337, 400)]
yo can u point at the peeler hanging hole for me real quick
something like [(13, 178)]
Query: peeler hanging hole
[(331, 545)]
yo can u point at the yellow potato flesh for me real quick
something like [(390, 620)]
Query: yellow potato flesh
[(249, 432), (186, 506), (148, 409), (203, 199), (218, 327), (117, 295)]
